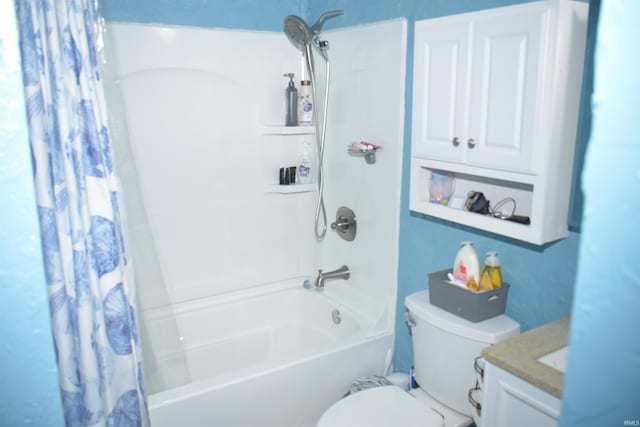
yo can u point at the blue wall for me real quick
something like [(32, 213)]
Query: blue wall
[(28, 378), (264, 15), (601, 385)]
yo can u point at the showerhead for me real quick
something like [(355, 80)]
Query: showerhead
[(297, 31)]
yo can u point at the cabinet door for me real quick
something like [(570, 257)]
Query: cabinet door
[(509, 401), (506, 89), (439, 96)]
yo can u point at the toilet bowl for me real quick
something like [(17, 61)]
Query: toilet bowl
[(444, 347), (380, 407), (391, 406)]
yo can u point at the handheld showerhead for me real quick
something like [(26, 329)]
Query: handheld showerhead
[(297, 31), (303, 37)]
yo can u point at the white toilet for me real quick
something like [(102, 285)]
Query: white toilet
[(444, 349)]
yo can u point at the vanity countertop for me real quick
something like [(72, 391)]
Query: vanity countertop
[(519, 355)]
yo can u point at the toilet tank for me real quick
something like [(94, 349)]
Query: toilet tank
[(445, 346)]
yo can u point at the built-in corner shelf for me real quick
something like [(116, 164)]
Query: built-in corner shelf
[(280, 150), (287, 130), (290, 189)]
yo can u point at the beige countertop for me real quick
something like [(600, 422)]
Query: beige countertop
[(519, 355)]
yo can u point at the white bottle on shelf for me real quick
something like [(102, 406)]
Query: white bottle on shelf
[(305, 104), (304, 164)]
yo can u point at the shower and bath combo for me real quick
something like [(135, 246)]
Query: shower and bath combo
[(303, 38)]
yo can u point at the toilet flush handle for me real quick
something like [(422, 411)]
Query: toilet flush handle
[(410, 320)]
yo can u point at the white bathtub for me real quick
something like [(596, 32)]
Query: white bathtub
[(266, 357)]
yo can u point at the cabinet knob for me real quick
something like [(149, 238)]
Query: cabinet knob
[(456, 141), (471, 143)]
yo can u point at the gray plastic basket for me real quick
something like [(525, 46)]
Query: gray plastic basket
[(473, 306)]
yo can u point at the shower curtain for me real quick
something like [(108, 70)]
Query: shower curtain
[(91, 294)]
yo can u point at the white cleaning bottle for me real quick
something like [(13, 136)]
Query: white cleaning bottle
[(304, 164), (466, 266)]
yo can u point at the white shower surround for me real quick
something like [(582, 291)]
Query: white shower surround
[(197, 103)]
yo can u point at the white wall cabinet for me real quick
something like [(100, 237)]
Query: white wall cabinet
[(510, 401), (495, 102), (477, 84)]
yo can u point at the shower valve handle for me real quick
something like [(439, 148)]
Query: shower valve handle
[(342, 223), (345, 224)]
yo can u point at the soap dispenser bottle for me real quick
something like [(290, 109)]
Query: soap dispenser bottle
[(291, 96), (491, 277)]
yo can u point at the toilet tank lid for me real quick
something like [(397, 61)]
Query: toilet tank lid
[(489, 331)]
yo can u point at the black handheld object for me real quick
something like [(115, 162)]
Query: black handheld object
[(476, 202), (519, 219)]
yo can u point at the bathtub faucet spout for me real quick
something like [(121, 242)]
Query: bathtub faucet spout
[(341, 273)]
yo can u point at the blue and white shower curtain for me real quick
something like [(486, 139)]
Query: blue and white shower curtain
[(91, 294)]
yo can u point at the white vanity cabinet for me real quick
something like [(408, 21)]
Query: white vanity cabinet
[(510, 401), (495, 102)]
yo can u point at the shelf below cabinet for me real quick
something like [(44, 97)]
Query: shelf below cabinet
[(529, 193)]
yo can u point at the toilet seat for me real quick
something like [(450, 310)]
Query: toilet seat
[(387, 406)]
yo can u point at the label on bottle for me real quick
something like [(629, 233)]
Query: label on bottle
[(304, 173)]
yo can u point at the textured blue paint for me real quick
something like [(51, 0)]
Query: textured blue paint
[(29, 381), (584, 126), (601, 385), (265, 15), (361, 12)]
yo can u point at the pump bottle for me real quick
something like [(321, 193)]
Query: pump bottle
[(291, 96), (491, 277)]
